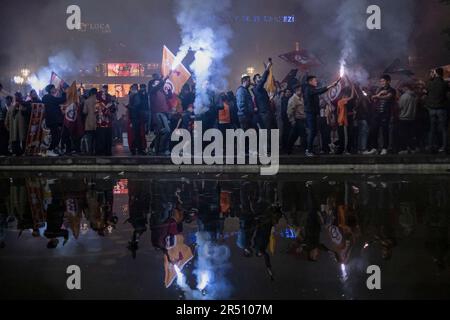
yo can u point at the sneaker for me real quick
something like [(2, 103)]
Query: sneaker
[(369, 153), (403, 152), (51, 153), (383, 152), (441, 150), (309, 154)]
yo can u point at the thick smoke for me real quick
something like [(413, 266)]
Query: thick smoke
[(210, 271), (66, 65), (208, 37), (342, 38)]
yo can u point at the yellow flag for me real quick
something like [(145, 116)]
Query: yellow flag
[(270, 84), (179, 76)]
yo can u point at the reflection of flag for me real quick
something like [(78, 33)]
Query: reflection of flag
[(58, 82), (179, 76), (179, 254), (301, 58)]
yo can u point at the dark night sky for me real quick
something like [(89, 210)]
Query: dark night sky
[(33, 30)]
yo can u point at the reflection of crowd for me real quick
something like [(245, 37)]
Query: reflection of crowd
[(339, 218)]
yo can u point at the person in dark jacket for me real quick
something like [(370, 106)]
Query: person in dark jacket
[(135, 103), (160, 114), (311, 99), (262, 99), (54, 117), (436, 103), (244, 103), (384, 102)]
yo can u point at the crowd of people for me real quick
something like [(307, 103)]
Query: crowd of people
[(362, 120)]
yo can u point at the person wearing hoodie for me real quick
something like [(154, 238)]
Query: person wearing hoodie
[(54, 117), (407, 116)]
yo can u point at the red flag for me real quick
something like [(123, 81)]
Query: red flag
[(72, 113)]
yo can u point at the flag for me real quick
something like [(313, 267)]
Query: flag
[(291, 78), (301, 58), (270, 84), (179, 76), (397, 67), (180, 254), (58, 82), (72, 113)]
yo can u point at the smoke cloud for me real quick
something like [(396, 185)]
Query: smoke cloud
[(204, 33)]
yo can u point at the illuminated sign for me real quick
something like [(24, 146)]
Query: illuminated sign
[(124, 70)]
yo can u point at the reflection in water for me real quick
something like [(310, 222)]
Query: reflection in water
[(196, 225)]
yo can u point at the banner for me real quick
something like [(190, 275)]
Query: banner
[(58, 82), (73, 121), (35, 132), (179, 76), (301, 58)]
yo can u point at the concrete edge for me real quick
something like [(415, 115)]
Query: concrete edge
[(170, 168)]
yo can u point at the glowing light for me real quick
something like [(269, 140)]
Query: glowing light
[(250, 70), (366, 245), (180, 276), (37, 83), (342, 70), (364, 93), (204, 279), (25, 72), (18, 80), (344, 272)]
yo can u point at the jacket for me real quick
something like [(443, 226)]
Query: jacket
[(408, 106), (262, 99), (90, 123), (53, 113), (244, 102), (311, 97), (295, 109), (437, 93)]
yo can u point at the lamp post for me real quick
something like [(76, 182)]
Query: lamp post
[(22, 79), (250, 71)]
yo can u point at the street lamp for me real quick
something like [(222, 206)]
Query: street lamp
[(250, 70), (25, 72), (18, 80)]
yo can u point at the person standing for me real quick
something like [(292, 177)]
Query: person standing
[(54, 117), (296, 116), (343, 120), (384, 101), (90, 122), (362, 118), (262, 100), (4, 134), (407, 117), (135, 104), (435, 102), (160, 114), (244, 103), (105, 111), (311, 94)]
